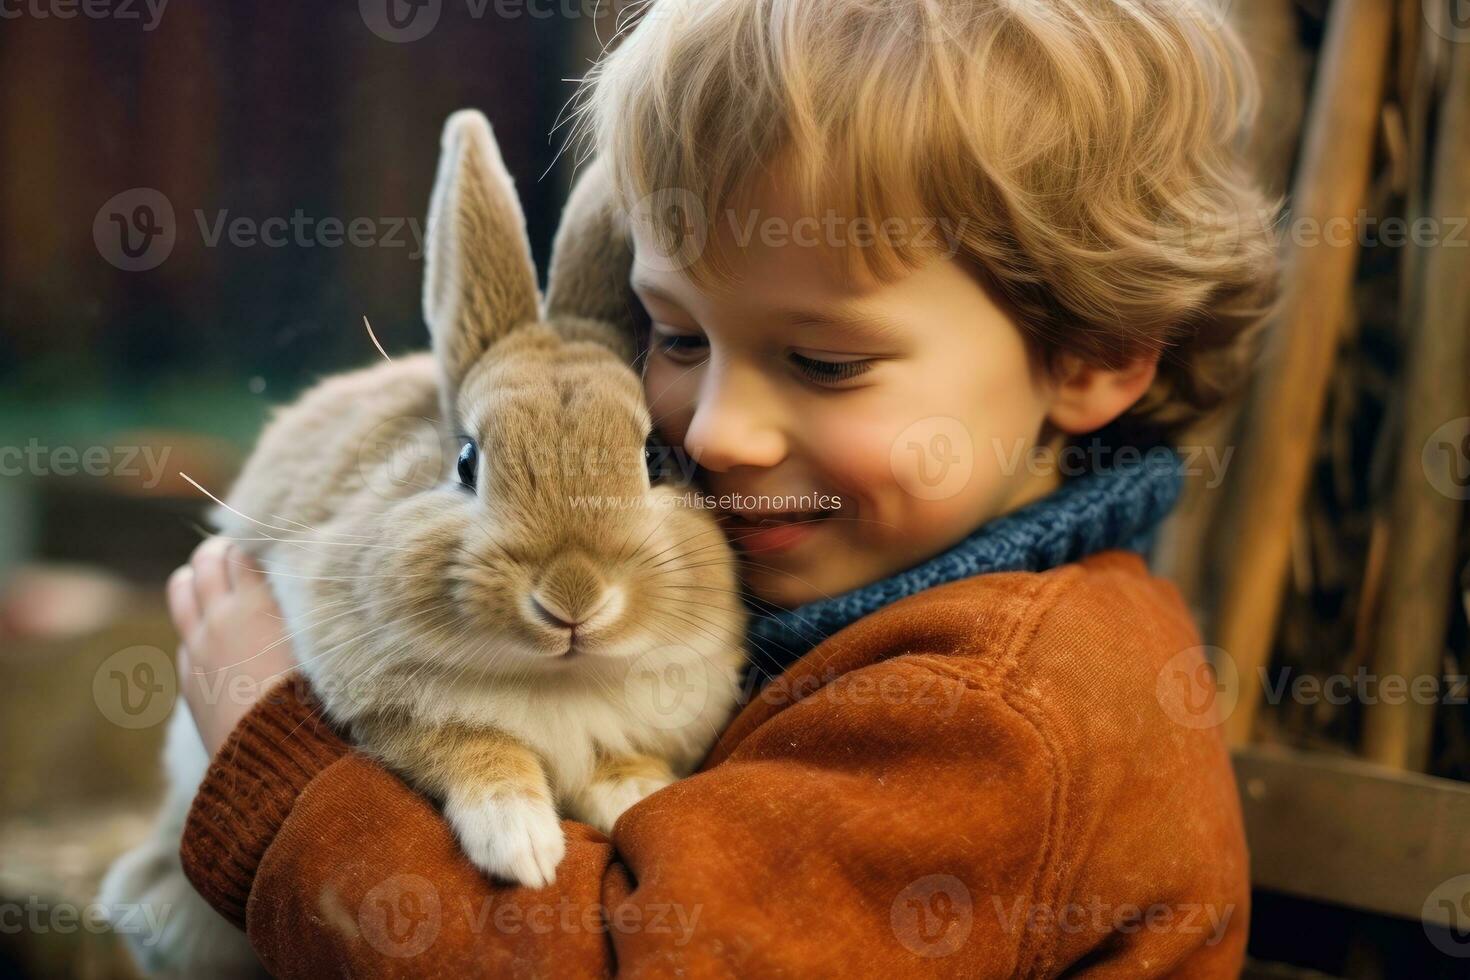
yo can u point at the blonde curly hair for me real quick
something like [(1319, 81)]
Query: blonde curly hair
[(1088, 151)]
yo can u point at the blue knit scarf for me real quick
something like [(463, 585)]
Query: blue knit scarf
[(1119, 506)]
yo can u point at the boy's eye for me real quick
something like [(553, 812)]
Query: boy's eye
[(680, 346), (830, 372)]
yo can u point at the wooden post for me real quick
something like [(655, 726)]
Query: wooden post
[(1427, 504), (1285, 413)]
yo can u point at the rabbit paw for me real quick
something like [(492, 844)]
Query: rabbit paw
[(605, 800), (512, 837)]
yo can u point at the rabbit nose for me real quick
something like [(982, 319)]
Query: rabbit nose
[(558, 617), (551, 614), (569, 594)]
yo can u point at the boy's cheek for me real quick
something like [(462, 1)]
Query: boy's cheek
[(923, 486), (904, 467), (874, 484)]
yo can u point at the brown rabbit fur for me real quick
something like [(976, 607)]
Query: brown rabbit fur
[(430, 614), (434, 618)]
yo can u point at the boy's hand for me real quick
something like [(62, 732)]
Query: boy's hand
[(235, 645)]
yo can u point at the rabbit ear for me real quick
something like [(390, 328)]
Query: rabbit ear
[(591, 259), (479, 279)]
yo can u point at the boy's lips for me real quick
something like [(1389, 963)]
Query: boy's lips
[(771, 530)]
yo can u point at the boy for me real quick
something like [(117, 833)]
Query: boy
[(943, 240)]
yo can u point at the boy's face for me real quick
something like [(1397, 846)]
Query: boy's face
[(911, 405)]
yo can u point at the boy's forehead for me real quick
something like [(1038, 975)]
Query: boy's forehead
[(886, 317)]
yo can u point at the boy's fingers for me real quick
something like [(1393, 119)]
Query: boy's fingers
[(211, 572), (183, 605)]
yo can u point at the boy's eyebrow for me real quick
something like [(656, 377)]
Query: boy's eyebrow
[(644, 286), (878, 325)]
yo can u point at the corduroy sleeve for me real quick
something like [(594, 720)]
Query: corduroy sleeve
[(279, 747)]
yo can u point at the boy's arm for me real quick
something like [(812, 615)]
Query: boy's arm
[(839, 832), (868, 813)]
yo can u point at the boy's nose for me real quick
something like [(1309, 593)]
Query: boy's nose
[(736, 422)]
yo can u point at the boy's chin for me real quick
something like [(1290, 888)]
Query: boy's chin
[(786, 584), (774, 590)]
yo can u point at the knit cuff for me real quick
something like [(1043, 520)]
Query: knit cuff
[(279, 747)]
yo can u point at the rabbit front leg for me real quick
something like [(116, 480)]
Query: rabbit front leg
[(618, 781), (496, 796)]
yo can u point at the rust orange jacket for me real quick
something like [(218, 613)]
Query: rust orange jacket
[(994, 777)]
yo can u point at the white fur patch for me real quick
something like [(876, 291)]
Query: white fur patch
[(605, 800), (512, 837)]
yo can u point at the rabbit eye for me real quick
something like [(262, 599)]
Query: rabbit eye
[(653, 460), (469, 461)]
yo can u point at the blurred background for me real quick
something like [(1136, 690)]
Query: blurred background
[(199, 204)]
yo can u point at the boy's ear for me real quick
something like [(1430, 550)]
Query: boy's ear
[(1086, 397), (479, 280)]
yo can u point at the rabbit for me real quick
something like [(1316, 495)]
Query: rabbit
[(512, 654)]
